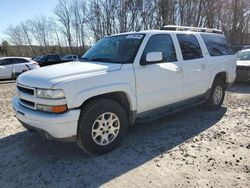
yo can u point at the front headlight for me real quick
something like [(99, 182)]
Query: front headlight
[(50, 93)]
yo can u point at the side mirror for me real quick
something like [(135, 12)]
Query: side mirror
[(154, 57)]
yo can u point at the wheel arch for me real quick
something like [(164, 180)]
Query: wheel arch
[(222, 74), (124, 96)]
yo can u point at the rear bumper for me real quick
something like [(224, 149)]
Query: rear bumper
[(53, 126)]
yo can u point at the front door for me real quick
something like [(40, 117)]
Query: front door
[(158, 84)]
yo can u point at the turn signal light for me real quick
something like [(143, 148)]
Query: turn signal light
[(52, 109)]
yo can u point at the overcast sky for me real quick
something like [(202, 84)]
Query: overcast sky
[(15, 11)]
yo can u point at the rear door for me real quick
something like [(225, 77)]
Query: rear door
[(20, 65), (194, 66), (5, 68)]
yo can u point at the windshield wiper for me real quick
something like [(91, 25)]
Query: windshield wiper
[(103, 59), (84, 58), (100, 59)]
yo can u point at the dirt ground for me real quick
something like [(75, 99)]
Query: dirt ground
[(194, 148)]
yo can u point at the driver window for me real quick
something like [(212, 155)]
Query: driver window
[(161, 43)]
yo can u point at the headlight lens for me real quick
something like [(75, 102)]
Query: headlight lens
[(50, 94)]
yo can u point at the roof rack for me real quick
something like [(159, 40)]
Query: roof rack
[(185, 28)]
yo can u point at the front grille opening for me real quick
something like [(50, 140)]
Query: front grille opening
[(242, 68), (26, 90), (27, 103)]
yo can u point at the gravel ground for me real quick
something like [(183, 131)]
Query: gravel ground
[(194, 148)]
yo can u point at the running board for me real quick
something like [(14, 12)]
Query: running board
[(169, 109)]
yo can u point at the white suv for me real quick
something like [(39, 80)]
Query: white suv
[(125, 77)]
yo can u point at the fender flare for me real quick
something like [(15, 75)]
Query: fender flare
[(84, 95), (215, 72)]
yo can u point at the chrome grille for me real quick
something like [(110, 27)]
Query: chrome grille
[(26, 90), (27, 103), (26, 96)]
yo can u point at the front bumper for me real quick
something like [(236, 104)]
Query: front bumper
[(57, 126)]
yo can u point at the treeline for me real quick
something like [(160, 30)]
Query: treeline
[(79, 22)]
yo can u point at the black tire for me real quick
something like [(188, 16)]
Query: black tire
[(211, 103), (89, 114)]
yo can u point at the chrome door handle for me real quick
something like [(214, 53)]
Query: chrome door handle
[(178, 69), (203, 66)]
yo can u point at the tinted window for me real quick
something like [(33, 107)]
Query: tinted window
[(217, 45), (53, 57), (17, 61), (37, 58), (161, 43), (5, 62), (115, 49), (42, 58), (243, 55), (65, 57), (190, 46)]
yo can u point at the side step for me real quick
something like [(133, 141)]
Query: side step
[(169, 109)]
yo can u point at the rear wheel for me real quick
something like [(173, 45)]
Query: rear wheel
[(216, 96), (102, 125)]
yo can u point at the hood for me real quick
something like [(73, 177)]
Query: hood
[(48, 76), (243, 63)]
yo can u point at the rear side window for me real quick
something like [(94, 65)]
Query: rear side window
[(53, 58), (217, 45), (5, 62), (190, 47), (161, 43), (17, 61)]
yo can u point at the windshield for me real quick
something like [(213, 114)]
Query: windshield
[(243, 55), (65, 57), (43, 57), (115, 49)]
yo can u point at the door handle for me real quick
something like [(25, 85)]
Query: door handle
[(203, 66), (178, 69)]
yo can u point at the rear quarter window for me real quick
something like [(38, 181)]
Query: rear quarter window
[(217, 45), (19, 60)]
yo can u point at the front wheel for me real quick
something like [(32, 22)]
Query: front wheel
[(102, 125), (216, 96)]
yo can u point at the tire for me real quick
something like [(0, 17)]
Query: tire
[(216, 96), (102, 126)]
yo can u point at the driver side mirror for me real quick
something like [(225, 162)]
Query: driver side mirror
[(153, 57)]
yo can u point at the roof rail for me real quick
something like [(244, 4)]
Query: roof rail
[(185, 28)]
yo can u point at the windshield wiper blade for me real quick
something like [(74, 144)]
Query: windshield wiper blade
[(84, 58), (101, 59)]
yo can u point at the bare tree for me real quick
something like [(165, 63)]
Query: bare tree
[(80, 22), (63, 13), (15, 35), (27, 36), (41, 30)]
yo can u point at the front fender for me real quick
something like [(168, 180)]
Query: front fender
[(84, 95)]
